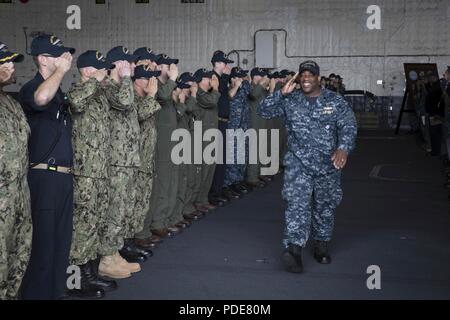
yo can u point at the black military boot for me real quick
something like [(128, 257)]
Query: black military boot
[(321, 252), (266, 179), (130, 254), (87, 290), (144, 251), (239, 188), (244, 186), (217, 201), (231, 194), (292, 258), (106, 285)]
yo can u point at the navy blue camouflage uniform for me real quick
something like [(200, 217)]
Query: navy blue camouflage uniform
[(316, 128), (239, 119)]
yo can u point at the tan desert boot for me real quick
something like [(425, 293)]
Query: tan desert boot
[(110, 268), (132, 267)]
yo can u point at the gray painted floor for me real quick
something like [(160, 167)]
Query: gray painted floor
[(401, 225)]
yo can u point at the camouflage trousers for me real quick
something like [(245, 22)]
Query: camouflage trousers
[(122, 200), (15, 236), (282, 140), (143, 214), (311, 201), (91, 201), (133, 218), (235, 173)]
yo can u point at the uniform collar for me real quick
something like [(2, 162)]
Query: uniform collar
[(38, 77)]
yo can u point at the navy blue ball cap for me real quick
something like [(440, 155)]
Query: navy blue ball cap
[(275, 75), (145, 53), (203, 73), (237, 72), (120, 53), (49, 45), (310, 66), (93, 58), (8, 56), (258, 72), (187, 76), (182, 85), (284, 73), (220, 56), (144, 72), (165, 59)]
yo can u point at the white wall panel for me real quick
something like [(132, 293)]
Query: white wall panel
[(192, 32)]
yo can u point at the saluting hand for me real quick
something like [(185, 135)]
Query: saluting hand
[(194, 90), (182, 97), (152, 87), (264, 82), (64, 62), (173, 72), (339, 159), (272, 84), (227, 69), (215, 83), (6, 71), (289, 87), (123, 69), (236, 82), (175, 94), (99, 75)]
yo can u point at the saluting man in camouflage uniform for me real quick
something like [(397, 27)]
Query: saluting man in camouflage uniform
[(91, 146), (146, 87), (124, 159), (15, 212), (239, 119), (321, 133)]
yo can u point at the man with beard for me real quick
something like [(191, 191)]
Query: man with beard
[(50, 176)]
